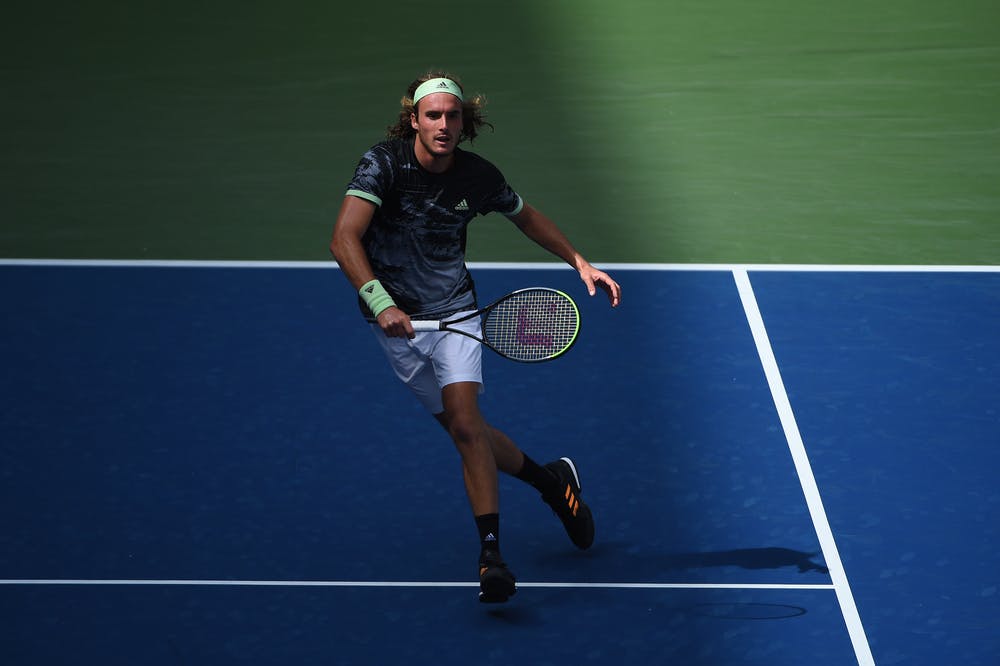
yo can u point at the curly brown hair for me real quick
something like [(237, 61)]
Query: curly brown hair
[(473, 111)]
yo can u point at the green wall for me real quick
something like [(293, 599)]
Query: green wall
[(774, 131)]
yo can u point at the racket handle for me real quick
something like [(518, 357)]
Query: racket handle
[(421, 325)]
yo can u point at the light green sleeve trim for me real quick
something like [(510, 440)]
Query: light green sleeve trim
[(367, 196), (518, 208)]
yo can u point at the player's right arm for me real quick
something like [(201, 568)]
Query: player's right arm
[(352, 222)]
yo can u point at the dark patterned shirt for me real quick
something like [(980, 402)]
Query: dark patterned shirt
[(416, 240)]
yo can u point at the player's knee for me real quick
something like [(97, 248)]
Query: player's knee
[(466, 430)]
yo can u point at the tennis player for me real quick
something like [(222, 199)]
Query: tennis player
[(400, 240)]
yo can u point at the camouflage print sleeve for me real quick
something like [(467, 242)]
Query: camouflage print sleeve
[(506, 201), (374, 175)]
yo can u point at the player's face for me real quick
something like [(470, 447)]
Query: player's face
[(438, 122)]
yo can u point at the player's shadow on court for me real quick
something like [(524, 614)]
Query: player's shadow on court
[(626, 557), (747, 558)]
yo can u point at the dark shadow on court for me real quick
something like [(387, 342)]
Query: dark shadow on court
[(747, 558), (621, 560)]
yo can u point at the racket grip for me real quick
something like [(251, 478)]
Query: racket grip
[(421, 325)]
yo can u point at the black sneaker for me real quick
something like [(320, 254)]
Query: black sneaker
[(567, 504), (496, 582)]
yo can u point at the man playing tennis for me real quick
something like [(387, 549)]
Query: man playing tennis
[(400, 240)]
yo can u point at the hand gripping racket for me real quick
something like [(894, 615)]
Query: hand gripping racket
[(528, 325)]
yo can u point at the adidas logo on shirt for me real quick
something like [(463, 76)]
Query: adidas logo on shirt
[(462, 205)]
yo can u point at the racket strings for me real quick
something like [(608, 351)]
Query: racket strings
[(532, 325)]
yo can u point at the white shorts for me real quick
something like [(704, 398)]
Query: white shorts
[(434, 359)]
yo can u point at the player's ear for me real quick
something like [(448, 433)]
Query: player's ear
[(413, 120)]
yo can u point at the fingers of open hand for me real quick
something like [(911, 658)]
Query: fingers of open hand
[(610, 287)]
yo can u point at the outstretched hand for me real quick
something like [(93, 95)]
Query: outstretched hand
[(595, 279)]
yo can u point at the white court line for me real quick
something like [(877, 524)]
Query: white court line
[(809, 268), (391, 584), (831, 556)]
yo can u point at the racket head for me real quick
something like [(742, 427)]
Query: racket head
[(532, 325)]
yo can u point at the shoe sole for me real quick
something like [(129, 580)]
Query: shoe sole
[(486, 598)]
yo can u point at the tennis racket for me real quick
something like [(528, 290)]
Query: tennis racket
[(528, 325)]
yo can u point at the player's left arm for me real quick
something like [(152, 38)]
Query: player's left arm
[(538, 227)]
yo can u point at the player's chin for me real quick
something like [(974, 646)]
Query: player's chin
[(443, 147)]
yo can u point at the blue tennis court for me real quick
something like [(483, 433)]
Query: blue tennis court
[(211, 463)]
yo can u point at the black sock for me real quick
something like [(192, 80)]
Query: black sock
[(488, 525), (542, 479)]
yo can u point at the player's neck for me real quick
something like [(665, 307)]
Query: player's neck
[(431, 162)]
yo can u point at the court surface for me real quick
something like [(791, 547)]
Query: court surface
[(211, 463)]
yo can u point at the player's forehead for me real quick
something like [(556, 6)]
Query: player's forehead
[(441, 102)]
